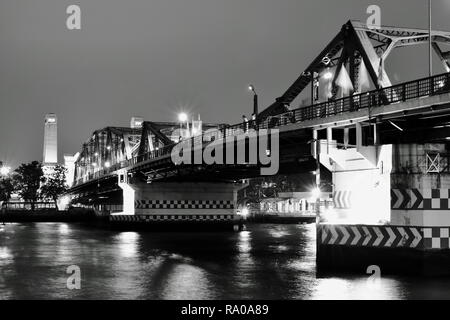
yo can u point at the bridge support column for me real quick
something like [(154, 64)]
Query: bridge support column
[(420, 192), (416, 238), (181, 202), (128, 193), (361, 183)]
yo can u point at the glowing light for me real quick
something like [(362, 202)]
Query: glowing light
[(327, 75), (4, 171), (108, 147), (96, 154), (244, 212), (315, 193), (107, 164), (182, 117)]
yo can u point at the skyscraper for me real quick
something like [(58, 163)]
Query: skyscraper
[(136, 122), (50, 158)]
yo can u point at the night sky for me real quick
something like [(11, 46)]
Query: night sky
[(154, 58)]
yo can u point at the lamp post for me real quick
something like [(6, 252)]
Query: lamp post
[(182, 118), (255, 99), (430, 62)]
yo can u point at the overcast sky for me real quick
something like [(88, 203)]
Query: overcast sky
[(153, 58)]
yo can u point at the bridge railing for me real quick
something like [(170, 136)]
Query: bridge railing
[(424, 87), (398, 93)]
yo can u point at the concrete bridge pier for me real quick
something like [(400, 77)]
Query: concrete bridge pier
[(186, 204), (360, 178), (391, 210)]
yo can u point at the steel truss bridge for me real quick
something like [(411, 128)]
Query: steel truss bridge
[(412, 112)]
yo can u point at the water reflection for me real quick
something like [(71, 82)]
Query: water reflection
[(263, 262), (128, 244), (356, 289), (187, 282)]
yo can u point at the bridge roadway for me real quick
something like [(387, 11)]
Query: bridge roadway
[(415, 111)]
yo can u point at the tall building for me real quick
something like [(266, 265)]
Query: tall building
[(50, 158), (136, 122)]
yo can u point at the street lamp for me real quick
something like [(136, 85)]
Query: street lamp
[(182, 118), (255, 99)]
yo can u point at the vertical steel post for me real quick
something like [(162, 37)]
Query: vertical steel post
[(430, 62)]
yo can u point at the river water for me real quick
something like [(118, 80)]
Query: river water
[(263, 262)]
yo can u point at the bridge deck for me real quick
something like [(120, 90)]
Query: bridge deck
[(430, 94)]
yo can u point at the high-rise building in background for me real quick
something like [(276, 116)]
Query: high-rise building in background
[(50, 157), (136, 122)]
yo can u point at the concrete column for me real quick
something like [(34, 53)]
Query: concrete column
[(376, 136), (329, 138), (421, 198), (128, 193), (314, 144), (361, 184), (186, 198), (358, 135), (346, 136)]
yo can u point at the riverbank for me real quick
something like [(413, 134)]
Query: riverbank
[(47, 216)]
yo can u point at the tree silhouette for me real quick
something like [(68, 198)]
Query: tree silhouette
[(6, 188), (28, 179), (55, 184)]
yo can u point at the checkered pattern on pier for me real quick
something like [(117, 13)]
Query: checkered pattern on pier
[(415, 199), (172, 217), (423, 238), (436, 237), (184, 204)]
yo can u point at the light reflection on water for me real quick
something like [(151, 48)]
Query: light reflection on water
[(263, 262)]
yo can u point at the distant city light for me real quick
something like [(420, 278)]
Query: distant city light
[(182, 117), (243, 212), (4, 171)]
